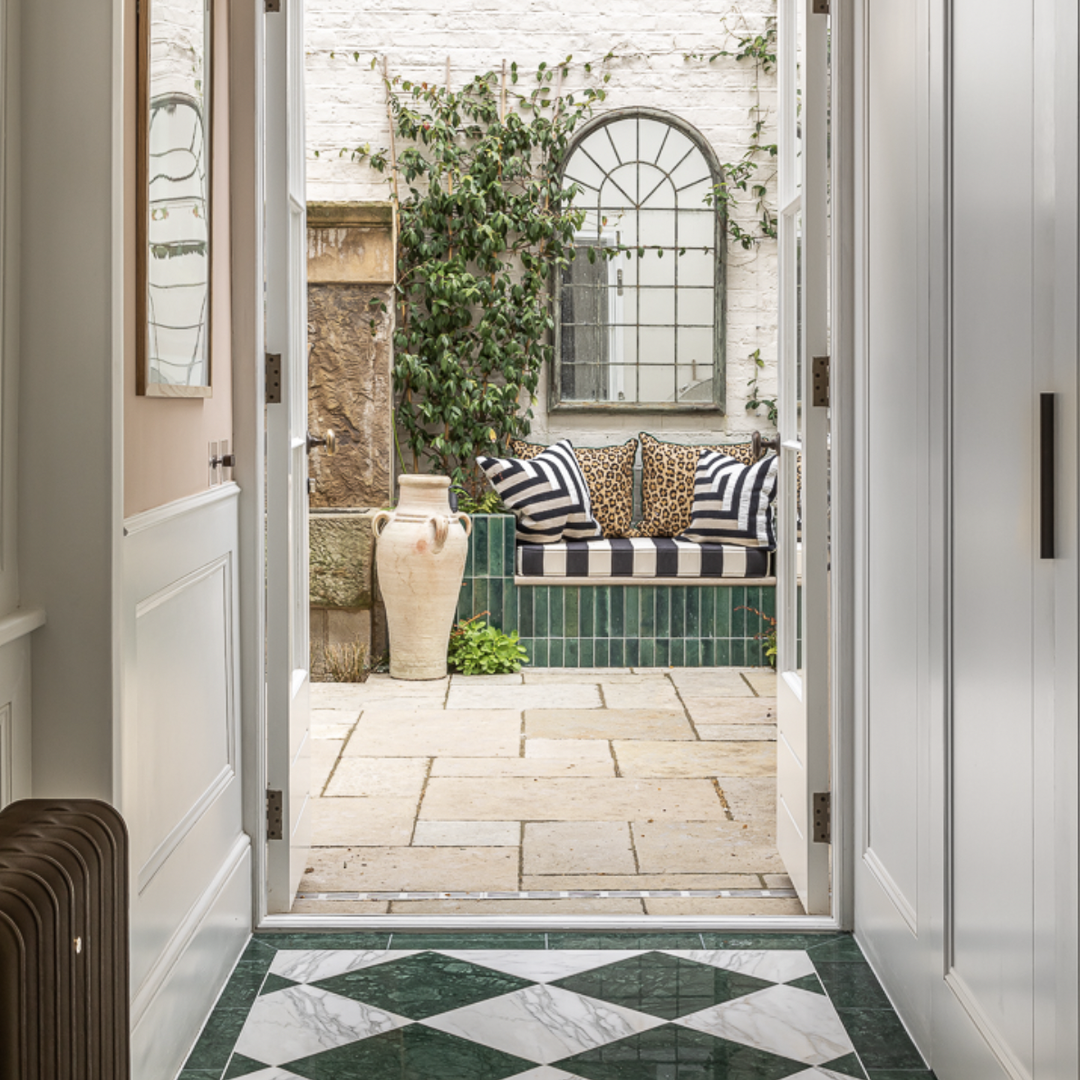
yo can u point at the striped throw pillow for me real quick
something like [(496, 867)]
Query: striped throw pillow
[(733, 502), (547, 494)]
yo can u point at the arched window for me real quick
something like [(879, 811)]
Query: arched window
[(642, 328)]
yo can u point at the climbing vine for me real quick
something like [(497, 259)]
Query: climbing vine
[(484, 227), (483, 222)]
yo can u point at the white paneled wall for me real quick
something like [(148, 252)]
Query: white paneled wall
[(179, 748), (651, 66)]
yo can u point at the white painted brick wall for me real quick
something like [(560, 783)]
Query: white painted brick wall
[(346, 108)]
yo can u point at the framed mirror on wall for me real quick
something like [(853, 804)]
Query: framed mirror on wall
[(173, 190)]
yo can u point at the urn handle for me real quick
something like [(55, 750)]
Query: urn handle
[(379, 521), (441, 524), (464, 521)]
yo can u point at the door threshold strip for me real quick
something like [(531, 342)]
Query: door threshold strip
[(566, 894)]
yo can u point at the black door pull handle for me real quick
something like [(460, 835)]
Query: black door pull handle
[(1046, 476)]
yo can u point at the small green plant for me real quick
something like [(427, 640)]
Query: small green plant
[(768, 636), (487, 503), (479, 649)]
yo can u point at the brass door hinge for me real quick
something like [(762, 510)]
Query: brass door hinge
[(273, 378), (275, 826), (819, 374), (822, 817), (821, 7), (272, 6)]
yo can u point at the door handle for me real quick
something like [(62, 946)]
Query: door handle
[(1046, 476), (329, 441)]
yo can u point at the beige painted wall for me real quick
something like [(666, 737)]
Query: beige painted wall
[(166, 441)]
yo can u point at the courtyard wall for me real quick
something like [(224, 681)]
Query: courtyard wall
[(659, 58)]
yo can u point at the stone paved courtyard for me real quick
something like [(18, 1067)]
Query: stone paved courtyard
[(552, 781)]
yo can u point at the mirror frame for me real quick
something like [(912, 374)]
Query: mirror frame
[(144, 385)]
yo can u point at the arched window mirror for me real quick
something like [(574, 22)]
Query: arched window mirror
[(642, 326)]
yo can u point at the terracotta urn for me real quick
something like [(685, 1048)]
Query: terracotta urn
[(420, 556)]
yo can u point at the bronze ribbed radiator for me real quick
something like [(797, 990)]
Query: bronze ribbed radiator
[(64, 1011)]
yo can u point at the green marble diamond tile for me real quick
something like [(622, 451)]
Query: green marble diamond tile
[(499, 939), (807, 982), (275, 982), (840, 949), (674, 1053), (242, 1066), (217, 1040), (662, 985), (736, 940), (880, 1039), (243, 986), (848, 1065), (414, 1052), (852, 986), (422, 985), (325, 940), (627, 939)]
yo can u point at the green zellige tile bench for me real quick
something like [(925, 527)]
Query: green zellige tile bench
[(613, 622)]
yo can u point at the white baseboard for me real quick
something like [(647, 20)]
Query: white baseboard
[(174, 1001)]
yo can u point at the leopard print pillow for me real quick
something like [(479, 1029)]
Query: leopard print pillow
[(667, 483), (609, 472)]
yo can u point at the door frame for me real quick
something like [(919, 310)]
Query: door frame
[(249, 433)]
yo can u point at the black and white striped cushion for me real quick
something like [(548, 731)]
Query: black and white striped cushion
[(547, 494), (642, 559), (733, 502)]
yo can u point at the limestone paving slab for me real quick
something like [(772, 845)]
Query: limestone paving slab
[(577, 847), (666, 724), (375, 777), (596, 750), (509, 679), (640, 758), (653, 693), (522, 766), (438, 733), (724, 905), (383, 821), (685, 846), (721, 682), (466, 833), (561, 696), (750, 798), (410, 869), (562, 799), (736, 732), (537, 882), (594, 676), (324, 756), (763, 681), (580, 906), (706, 708)]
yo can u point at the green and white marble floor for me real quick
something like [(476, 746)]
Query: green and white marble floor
[(567, 1006)]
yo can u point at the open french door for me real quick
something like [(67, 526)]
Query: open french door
[(287, 650), (803, 554)]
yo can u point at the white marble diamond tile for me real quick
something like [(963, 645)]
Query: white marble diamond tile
[(272, 1074), (543, 1023), (796, 1024), (779, 965), (301, 1020), (545, 1072), (542, 965), (310, 965), (810, 1074)]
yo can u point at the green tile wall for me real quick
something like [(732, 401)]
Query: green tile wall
[(611, 625)]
